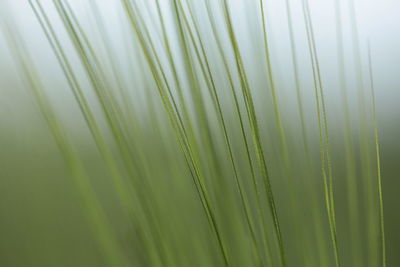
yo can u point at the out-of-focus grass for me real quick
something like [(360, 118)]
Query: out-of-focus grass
[(165, 139)]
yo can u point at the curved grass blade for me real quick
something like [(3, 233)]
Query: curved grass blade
[(323, 131), (378, 161)]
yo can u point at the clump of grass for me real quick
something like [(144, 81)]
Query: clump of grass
[(199, 178)]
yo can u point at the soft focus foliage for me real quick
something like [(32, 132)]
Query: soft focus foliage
[(197, 133)]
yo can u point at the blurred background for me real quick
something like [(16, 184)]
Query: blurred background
[(46, 218)]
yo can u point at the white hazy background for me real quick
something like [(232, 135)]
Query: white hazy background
[(377, 22)]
